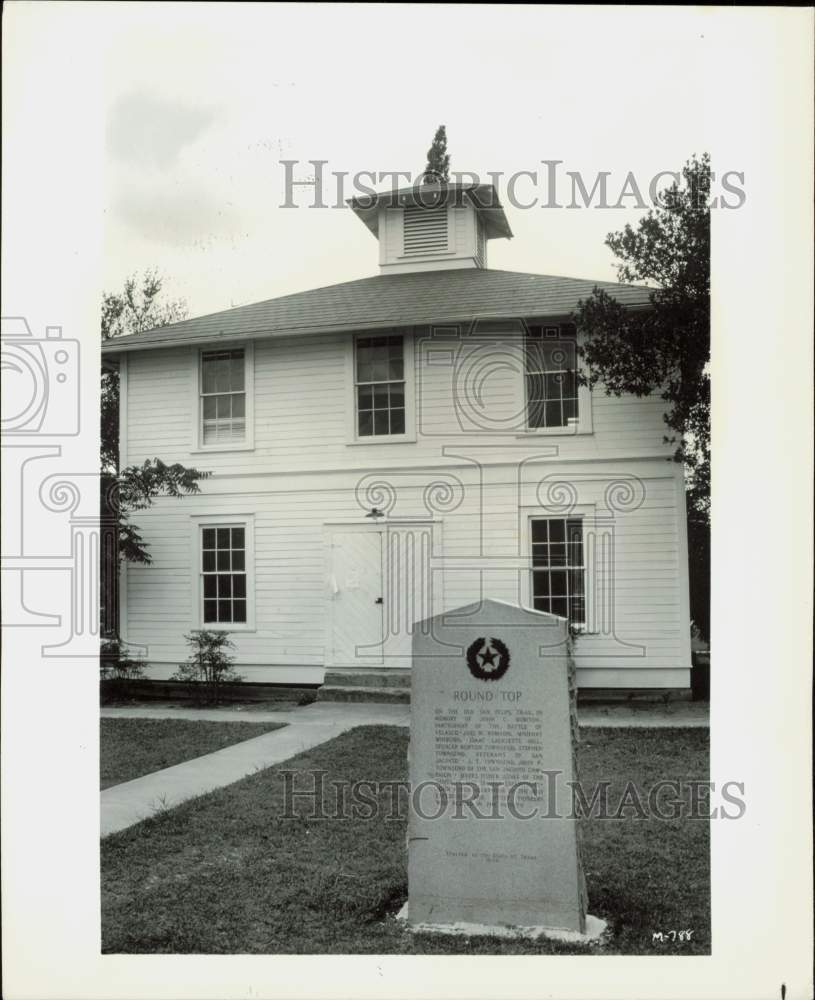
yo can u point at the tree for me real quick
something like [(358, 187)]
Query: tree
[(135, 488), (665, 350), (438, 159)]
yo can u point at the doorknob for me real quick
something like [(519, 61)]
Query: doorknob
[(379, 601)]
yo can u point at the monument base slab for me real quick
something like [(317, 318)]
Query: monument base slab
[(595, 928)]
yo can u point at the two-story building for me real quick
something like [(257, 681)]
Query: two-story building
[(387, 448)]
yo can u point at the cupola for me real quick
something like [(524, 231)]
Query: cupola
[(433, 227)]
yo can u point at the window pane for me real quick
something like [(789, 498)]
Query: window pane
[(396, 370), (209, 538), (236, 374), (535, 416), (380, 397), (557, 579), (540, 531), (239, 405), (559, 606), (553, 415), (379, 371), (224, 585), (223, 561), (557, 554), (552, 386), (366, 423), (222, 536), (238, 560), (540, 554), (380, 422), (209, 562), (533, 357), (569, 409), (534, 387), (210, 404), (239, 585), (398, 395), (365, 372), (210, 611), (365, 397), (222, 375), (397, 421), (210, 586), (208, 375), (224, 611), (239, 611), (557, 530), (540, 584), (238, 538)]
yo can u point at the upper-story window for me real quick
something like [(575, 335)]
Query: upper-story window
[(552, 392), (223, 396), (224, 399), (380, 386)]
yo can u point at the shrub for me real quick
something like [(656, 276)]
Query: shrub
[(118, 671), (209, 665)]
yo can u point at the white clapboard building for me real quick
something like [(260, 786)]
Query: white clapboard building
[(387, 448)]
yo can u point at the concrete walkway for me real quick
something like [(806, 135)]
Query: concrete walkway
[(306, 727), (132, 801)]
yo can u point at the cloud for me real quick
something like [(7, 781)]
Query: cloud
[(177, 214), (144, 130)]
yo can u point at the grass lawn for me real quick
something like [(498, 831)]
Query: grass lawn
[(227, 873), (130, 748)]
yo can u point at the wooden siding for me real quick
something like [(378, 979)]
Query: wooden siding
[(304, 473), (302, 389)]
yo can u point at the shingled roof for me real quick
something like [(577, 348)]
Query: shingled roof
[(386, 301)]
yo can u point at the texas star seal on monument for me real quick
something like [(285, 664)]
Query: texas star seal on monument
[(488, 659)]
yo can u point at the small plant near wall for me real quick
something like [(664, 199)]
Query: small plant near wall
[(209, 665), (119, 672)]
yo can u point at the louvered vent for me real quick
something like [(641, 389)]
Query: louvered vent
[(425, 230)]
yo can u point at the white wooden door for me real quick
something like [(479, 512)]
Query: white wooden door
[(357, 599)]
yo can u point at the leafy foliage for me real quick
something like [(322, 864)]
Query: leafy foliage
[(664, 350), (138, 307), (117, 667), (136, 487), (209, 664), (438, 159)]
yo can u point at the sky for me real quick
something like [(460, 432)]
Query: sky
[(202, 102)]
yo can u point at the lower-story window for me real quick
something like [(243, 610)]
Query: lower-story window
[(558, 568), (223, 573)]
